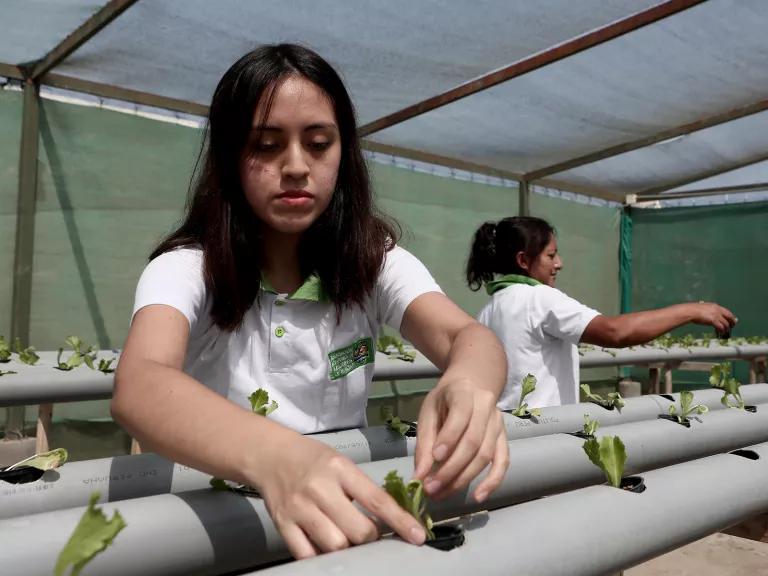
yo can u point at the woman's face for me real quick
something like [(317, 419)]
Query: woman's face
[(289, 166), (547, 264)]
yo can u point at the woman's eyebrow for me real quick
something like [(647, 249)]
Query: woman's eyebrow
[(311, 127)]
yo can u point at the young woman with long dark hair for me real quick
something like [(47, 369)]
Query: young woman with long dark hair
[(280, 277), (517, 261)]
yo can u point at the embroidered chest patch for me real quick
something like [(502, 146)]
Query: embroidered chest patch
[(344, 360)]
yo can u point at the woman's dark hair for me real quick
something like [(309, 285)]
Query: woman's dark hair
[(345, 246), (495, 247)]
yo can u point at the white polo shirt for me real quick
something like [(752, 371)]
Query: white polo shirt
[(540, 328), (318, 371)]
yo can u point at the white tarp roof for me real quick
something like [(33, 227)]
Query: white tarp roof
[(699, 62)]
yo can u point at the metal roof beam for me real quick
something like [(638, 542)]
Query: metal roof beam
[(533, 62), (702, 176), (82, 34), (483, 169), (676, 132), (702, 192), (124, 94), (10, 71)]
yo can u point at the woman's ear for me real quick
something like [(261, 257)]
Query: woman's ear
[(522, 260)]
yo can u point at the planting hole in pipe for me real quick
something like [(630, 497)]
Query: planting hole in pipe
[(685, 421), (749, 454), (21, 475), (634, 484), (581, 434), (446, 537), (668, 397), (752, 409)]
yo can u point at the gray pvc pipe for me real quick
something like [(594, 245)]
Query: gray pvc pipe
[(596, 530), (43, 384), (124, 477), (570, 417), (240, 533)]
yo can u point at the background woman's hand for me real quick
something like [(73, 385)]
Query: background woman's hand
[(309, 493), (715, 315)]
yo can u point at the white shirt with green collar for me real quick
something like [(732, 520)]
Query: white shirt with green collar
[(318, 371)]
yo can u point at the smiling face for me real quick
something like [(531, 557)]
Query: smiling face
[(290, 163), (546, 265)]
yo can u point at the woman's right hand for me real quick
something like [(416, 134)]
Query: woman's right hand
[(309, 493), (714, 315)]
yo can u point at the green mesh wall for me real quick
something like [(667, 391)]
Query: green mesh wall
[(10, 128), (110, 185), (439, 215), (711, 253)]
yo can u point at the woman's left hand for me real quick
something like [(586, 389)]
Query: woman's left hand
[(460, 432)]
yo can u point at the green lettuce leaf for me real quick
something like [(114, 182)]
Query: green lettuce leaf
[(93, 534), (259, 400), (609, 455), (44, 460)]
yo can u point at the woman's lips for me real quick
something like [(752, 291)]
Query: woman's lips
[(295, 198)]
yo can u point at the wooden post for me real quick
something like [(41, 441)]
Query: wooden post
[(43, 434)]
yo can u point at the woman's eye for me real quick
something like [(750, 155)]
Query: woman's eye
[(265, 146), (319, 146)]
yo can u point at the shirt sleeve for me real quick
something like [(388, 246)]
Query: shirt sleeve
[(403, 279), (562, 316), (176, 279)]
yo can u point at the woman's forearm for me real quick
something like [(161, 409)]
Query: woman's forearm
[(637, 327), (171, 413), (476, 354)]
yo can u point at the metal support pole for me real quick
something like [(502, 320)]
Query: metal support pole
[(25, 234), (525, 198)]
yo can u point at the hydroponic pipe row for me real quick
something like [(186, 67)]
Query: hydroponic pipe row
[(43, 384), (213, 532), (595, 530), (125, 477)]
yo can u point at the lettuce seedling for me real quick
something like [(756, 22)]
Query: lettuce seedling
[(26, 355), (5, 350), (80, 354), (43, 461), (393, 422), (411, 498), (105, 365), (522, 410), (93, 534), (259, 403), (720, 377), (686, 407), (609, 455), (590, 426), (385, 342), (612, 399)]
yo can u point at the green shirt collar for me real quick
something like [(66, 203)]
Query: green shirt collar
[(311, 290), (503, 281)]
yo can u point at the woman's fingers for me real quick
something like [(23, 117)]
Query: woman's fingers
[(426, 432), (356, 526), (498, 468), (298, 544), (374, 499), (460, 414), (464, 472)]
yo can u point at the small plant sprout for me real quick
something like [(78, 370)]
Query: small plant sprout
[(81, 353), (26, 355), (522, 410), (609, 455), (93, 534), (43, 461), (686, 407), (260, 403), (612, 399), (720, 377), (5, 350), (590, 426), (411, 498), (385, 342), (393, 422), (105, 365)]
